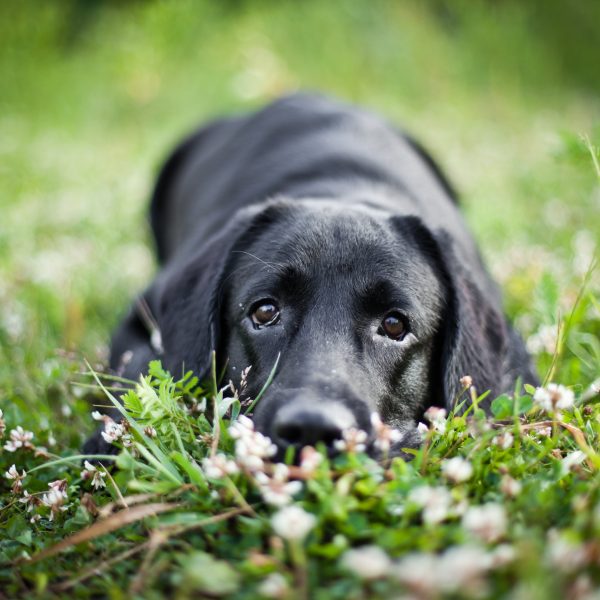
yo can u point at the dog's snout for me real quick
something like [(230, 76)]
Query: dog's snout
[(306, 425)]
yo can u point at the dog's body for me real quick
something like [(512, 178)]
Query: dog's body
[(319, 233)]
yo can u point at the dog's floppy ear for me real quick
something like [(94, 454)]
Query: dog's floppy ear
[(474, 334), (177, 318), (475, 331)]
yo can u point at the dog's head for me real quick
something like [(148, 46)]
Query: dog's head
[(366, 312)]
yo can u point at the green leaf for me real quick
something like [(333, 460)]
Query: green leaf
[(502, 407), (203, 573)]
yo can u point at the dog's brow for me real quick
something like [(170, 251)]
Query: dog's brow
[(382, 292), (269, 264)]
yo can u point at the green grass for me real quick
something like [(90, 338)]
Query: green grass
[(93, 96)]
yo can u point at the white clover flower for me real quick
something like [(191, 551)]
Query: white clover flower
[(353, 440), (19, 438), (545, 431), (95, 476), (422, 430), (571, 460), (219, 466), (504, 440), (55, 498), (113, 432), (437, 417), (251, 450), (487, 522), (60, 485), (241, 427), (277, 490), (436, 502), (459, 569), (502, 555), (462, 569), (293, 523), (251, 447), (29, 501), (416, 571), (543, 340), (98, 416), (554, 397), (13, 475), (251, 462), (367, 562), (274, 586), (2, 424), (457, 469), (510, 487), (564, 554), (197, 406), (310, 459), (385, 436), (466, 381)]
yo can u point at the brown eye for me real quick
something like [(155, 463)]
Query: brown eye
[(265, 313), (393, 326)]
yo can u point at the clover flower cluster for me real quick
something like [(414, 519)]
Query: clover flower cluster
[(353, 440), (252, 448), (13, 475), (457, 469), (435, 502), (219, 466), (293, 523), (543, 340), (310, 460), (460, 569), (252, 452), (276, 489), (504, 440), (274, 586), (385, 436), (94, 475), (113, 431), (19, 438), (554, 397), (437, 419), (31, 502), (565, 554), (55, 498), (487, 523)]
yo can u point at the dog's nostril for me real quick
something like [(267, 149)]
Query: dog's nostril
[(305, 428), (290, 433)]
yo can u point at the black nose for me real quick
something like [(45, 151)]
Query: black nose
[(298, 425)]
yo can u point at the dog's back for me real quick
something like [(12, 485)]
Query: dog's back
[(302, 145)]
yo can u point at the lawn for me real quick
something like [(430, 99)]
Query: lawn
[(94, 95)]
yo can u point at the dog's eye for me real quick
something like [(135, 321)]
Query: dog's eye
[(393, 326), (265, 313)]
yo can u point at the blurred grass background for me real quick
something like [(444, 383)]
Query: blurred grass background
[(94, 94)]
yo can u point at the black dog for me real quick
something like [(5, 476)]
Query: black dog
[(318, 232)]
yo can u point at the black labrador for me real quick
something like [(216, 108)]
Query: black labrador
[(317, 232)]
